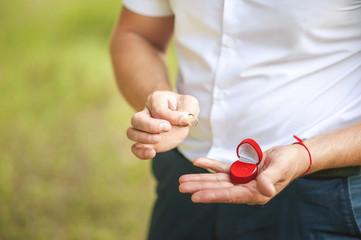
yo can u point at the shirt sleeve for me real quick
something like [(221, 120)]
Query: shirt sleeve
[(151, 8)]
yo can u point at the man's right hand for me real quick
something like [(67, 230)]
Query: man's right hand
[(163, 124)]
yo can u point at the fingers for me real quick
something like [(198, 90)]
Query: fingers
[(188, 104), (192, 187), (214, 165), (143, 151), (176, 118), (142, 121), (236, 194), (159, 122), (276, 172), (223, 192), (142, 137), (218, 187), (205, 177), (172, 107), (145, 132), (213, 196), (193, 183)]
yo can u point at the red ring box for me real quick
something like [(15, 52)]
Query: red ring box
[(245, 169)]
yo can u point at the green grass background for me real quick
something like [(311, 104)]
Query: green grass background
[(66, 169)]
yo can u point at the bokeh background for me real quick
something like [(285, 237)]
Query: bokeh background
[(66, 169)]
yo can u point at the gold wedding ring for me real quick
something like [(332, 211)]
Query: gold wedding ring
[(193, 120)]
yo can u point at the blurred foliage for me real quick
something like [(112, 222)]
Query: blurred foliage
[(66, 170)]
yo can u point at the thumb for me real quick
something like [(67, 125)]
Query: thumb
[(266, 181), (176, 118), (169, 106), (265, 186)]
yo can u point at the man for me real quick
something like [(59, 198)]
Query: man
[(257, 69)]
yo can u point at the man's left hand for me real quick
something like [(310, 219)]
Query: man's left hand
[(280, 166)]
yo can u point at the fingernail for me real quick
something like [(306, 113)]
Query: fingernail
[(195, 198)]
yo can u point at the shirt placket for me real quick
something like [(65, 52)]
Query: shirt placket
[(220, 85)]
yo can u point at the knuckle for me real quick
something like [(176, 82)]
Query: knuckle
[(135, 118), (154, 95), (156, 112), (153, 128), (150, 96)]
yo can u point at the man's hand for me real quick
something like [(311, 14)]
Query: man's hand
[(163, 124), (280, 166)]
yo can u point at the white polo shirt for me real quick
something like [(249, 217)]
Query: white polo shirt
[(264, 69)]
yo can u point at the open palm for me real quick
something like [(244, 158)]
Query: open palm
[(277, 170), (218, 187)]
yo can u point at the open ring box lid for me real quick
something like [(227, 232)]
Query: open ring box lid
[(249, 155)]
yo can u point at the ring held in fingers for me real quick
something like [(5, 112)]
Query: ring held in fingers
[(193, 120)]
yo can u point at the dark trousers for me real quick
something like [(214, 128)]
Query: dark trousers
[(328, 208)]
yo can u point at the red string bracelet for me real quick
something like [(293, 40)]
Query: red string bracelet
[(300, 141)]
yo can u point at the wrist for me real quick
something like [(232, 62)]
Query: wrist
[(302, 160), (306, 155)]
